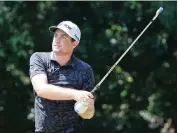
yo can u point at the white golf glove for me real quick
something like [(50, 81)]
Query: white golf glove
[(81, 107)]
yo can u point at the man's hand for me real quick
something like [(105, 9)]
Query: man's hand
[(90, 101), (83, 96), (89, 113)]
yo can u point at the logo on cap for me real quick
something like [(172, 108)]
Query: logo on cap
[(66, 25)]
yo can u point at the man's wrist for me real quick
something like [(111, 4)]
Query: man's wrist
[(72, 93)]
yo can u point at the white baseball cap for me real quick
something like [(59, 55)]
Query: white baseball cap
[(70, 28)]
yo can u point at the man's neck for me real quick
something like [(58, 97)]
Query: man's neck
[(62, 59)]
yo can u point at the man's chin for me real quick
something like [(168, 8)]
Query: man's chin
[(58, 52)]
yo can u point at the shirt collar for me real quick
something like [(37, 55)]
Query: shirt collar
[(71, 62)]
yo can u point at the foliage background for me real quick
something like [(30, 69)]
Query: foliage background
[(138, 96)]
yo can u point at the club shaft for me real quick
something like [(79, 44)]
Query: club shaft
[(98, 85)]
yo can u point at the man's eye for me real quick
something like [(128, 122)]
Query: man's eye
[(64, 36)]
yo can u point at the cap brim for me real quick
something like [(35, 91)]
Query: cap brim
[(53, 28)]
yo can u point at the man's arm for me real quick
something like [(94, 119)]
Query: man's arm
[(52, 92), (49, 91)]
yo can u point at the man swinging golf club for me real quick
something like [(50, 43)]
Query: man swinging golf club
[(54, 74), (59, 80)]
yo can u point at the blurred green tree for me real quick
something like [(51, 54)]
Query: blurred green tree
[(138, 96)]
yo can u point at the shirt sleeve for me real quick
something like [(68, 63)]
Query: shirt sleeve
[(89, 81), (36, 65)]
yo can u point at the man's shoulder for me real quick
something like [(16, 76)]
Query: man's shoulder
[(82, 64), (41, 55)]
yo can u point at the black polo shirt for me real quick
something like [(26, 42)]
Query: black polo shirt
[(54, 115)]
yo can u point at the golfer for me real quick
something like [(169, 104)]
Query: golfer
[(59, 80)]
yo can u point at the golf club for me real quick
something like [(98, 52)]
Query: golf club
[(81, 107), (98, 85)]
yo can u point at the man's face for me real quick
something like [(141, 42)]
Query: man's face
[(62, 43)]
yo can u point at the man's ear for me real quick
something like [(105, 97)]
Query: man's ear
[(75, 44)]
